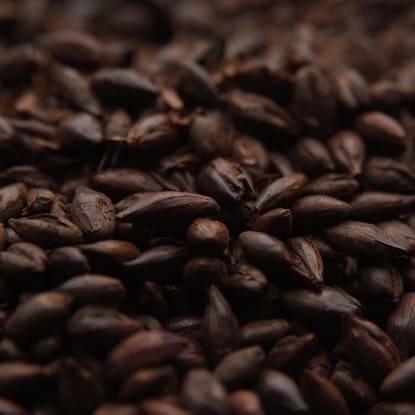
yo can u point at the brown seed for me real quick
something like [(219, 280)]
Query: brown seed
[(336, 185), (118, 183), (399, 384), (160, 263), (368, 347), (67, 262), (164, 206), (98, 328), (392, 408), (264, 332), (351, 89), (376, 205), (251, 155), (363, 240), (123, 86), (328, 304), (211, 135), (388, 175), (245, 402), (314, 100), (289, 352), (158, 407), (204, 271), (322, 395), (12, 201), (38, 316), (47, 230), (75, 89), (247, 284), (380, 284), (401, 233), (154, 134), (21, 380), (401, 327), (276, 222), (279, 393), (80, 130), (145, 382), (38, 201), (312, 156), (116, 409), (93, 289), (143, 349), (207, 236), (110, 250), (264, 250), (78, 390), (22, 265), (260, 116), (224, 181), (220, 326), (306, 261), (317, 211), (10, 408), (382, 129), (281, 191), (355, 389), (348, 151), (74, 47), (237, 369), (94, 213), (203, 394)]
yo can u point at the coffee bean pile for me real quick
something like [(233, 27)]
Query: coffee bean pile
[(207, 207)]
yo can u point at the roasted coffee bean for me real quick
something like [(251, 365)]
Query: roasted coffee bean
[(80, 130), (351, 89), (245, 402), (251, 155), (204, 271), (392, 408), (399, 383), (159, 407), (401, 232), (115, 409), (110, 251)]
